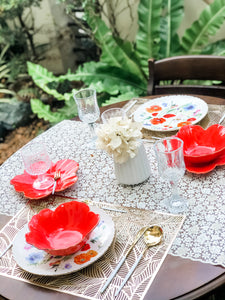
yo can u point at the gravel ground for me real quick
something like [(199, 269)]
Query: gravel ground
[(19, 137)]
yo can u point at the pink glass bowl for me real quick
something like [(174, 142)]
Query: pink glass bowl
[(63, 231), (202, 145)]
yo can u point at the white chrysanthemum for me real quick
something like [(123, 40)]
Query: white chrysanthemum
[(120, 138)]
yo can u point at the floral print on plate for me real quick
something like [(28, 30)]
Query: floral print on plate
[(39, 262), (171, 112)]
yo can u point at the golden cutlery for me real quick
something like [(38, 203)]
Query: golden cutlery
[(137, 237), (152, 236)]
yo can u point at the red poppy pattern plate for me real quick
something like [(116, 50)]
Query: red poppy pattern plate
[(170, 113), (68, 168)]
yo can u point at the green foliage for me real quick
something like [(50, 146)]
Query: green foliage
[(44, 111), (106, 78), (217, 48), (16, 41), (4, 74), (197, 36), (173, 12), (122, 70), (42, 77), (50, 83), (121, 97), (114, 52), (14, 8), (148, 35)]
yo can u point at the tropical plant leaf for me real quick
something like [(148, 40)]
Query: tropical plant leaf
[(3, 51), (210, 20), (44, 111), (110, 79), (6, 91), (112, 53), (148, 35), (41, 76), (4, 71), (119, 98), (172, 14), (217, 48), (69, 110), (122, 71)]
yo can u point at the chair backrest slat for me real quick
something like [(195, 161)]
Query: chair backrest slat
[(187, 67)]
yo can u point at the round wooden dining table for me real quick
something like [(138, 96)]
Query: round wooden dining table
[(178, 278)]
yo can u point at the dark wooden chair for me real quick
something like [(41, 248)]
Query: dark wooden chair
[(188, 67)]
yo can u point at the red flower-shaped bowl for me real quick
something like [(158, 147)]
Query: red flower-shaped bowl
[(202, 146), (63, 231), (68, 169)]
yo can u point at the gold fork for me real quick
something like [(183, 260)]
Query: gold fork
[(57, 176)]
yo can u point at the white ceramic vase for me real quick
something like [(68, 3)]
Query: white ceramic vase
[(135, 170)]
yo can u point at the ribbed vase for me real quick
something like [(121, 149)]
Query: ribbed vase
[(135, 170)]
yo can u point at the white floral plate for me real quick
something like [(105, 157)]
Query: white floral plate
[(39, 262), (169, 113)]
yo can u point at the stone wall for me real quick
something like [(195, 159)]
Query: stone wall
[(52, 24), (69, 45)]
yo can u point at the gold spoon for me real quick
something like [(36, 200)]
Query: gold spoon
[(152, 237), (112, 275)]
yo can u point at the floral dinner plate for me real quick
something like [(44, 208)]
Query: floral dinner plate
[(68, 169), (40, 262), (170, 113)]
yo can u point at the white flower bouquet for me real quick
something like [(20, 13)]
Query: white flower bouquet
[(120, 138)]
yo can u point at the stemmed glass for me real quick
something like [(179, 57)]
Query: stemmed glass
[(37, 162), (88, 110), (171, 167)]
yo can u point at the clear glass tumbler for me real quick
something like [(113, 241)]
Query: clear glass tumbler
[(171, 167), (113, 113), (37, 162)]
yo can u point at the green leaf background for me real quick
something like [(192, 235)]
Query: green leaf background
[(122, 72)]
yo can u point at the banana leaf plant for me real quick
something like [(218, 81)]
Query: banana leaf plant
[(122, 71)]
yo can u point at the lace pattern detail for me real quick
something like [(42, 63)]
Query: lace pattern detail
[(202, 236)]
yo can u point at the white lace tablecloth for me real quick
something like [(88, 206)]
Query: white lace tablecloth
[(202, 236)]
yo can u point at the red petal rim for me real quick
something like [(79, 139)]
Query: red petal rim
[(202, 145), (62, 231), (205, 168)]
